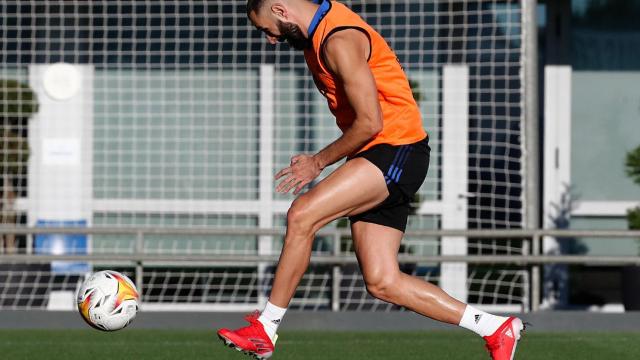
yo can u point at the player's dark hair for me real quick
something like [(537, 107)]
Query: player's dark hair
[(254, 6)]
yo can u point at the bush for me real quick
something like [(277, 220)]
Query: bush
[(633, 165), (633, 170)]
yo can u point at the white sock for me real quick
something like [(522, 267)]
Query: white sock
[(480, 322), (271, 318)]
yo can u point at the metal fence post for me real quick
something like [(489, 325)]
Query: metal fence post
[(139, 251), (535, 275), (337, 275), (526, 292), (30, 240)]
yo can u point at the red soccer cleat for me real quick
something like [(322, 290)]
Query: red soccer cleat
[(502, 344), (252, 339)]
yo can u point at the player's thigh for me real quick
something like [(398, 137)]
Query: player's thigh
[(376, 248), (357, 184)]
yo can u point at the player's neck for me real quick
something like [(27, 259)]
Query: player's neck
[(305, 11)]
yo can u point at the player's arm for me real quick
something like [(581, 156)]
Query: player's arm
[(346, 55)]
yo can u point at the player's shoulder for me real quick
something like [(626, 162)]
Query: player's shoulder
[(340, 39), (346, 41)]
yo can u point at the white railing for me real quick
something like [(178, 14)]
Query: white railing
[(337, 259)]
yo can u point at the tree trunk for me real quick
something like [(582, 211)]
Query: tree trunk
[(8, 215)]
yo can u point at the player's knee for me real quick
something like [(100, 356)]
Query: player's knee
[(298, 217), (382, 286)]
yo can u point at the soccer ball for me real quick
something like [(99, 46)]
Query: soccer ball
[(108, 300)]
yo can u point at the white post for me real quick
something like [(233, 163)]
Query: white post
[(557, 175), (61, 158), (61, 142), (265, 221), (455, 145)]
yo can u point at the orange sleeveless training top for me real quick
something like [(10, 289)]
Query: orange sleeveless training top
[(402, 122)]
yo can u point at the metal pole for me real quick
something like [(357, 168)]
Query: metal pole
[(337, 275), (532, 124), (139, 251), (535, 276), (30, 240), (526, 279), (531, 136), (478, 233)]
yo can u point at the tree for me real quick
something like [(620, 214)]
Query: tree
[(17, 104), (633, 170)]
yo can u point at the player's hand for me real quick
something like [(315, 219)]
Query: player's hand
[(303, 169)]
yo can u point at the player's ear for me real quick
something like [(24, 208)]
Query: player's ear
[(279, 10)]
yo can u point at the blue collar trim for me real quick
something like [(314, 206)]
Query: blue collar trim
[(325, 6)]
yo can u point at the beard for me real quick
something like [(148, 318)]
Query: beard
[(292, 34)]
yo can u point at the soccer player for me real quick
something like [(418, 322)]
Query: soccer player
[(387, 154)]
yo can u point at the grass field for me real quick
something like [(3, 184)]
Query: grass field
[(157, 345)]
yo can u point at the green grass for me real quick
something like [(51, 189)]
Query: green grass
[(157, 345)]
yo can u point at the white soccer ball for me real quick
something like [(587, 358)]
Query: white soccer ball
[(108, 300)]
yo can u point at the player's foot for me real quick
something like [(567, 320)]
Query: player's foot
[(502, 343), (252, 339)]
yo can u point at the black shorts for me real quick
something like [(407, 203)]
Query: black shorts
[(404, 168)]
